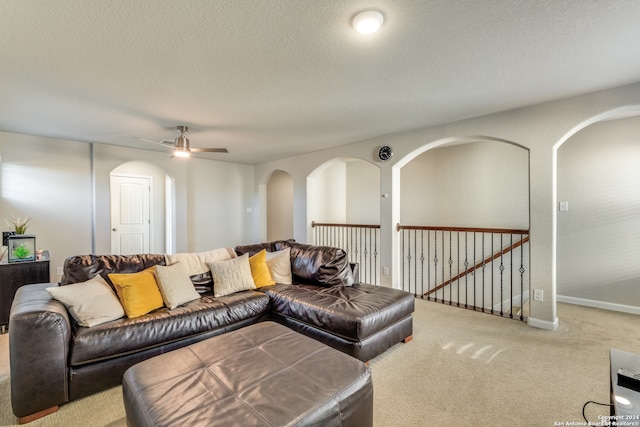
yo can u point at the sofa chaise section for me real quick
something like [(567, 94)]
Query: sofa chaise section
[(325, 301), (361, 320)]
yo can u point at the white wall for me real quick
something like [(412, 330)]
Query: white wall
[(599, 236), (344, 191), (363, 193), (280, 206), (327, 194), (480, 184), (48, 180), (219, 194)]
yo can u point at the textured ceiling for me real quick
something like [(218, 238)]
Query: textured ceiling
[(274, 78)]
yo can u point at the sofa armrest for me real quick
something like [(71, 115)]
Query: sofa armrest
[(39, 339)]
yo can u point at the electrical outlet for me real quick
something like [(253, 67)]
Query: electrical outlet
[(59, 271), (538, 295)]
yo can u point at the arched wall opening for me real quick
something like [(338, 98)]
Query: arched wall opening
[(482, 183), (279, 206), (160, 214), (344, 191), (343, 206), (597, 215), (450, 199)]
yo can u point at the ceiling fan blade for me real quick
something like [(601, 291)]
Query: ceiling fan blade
[(208, 150), (164, 142)]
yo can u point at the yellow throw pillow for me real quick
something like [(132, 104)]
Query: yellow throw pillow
[(138, 292), (259, 269)]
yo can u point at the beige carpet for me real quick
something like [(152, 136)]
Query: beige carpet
[(462, 368)]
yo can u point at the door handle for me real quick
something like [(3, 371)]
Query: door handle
[(114, 229)]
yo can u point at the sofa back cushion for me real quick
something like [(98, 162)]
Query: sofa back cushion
[(319, 265), (195, 264), (81, 268), (253, 249)]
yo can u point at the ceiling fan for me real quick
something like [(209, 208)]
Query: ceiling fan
[(181, 146)]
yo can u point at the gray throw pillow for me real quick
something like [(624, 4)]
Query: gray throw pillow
[(175, 285), (231, 276)]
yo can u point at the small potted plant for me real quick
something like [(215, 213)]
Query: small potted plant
[(19, 225)]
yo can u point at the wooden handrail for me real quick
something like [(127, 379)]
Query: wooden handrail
[(325, 224), (479, 265), (464, 229)]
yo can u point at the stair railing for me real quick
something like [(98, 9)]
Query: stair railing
[(483, 269), (361, 242)]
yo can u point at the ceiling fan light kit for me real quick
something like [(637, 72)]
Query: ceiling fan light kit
[(181, 146)]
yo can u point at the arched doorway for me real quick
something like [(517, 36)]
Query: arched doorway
[(464, 224), (343, 207), (598, 216), (279, 203), (141, 209)]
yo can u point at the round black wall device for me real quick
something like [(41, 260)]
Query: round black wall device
[(385, 153)]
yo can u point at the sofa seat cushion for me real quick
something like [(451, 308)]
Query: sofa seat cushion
[(351, 312), (163, 326)]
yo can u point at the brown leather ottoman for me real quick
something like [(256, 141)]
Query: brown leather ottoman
[(261, 375)]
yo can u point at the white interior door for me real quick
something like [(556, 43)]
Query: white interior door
[(130, 214)]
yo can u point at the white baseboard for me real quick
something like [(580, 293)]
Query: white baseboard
[(543, 324), (599, 304), (516, 299)]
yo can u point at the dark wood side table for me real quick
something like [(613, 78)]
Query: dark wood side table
[(12, 276), (625, 409)]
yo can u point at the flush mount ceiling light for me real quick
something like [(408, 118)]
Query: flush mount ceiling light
[(368, 22)]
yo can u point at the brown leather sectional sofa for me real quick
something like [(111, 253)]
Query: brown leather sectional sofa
[(54, 360)]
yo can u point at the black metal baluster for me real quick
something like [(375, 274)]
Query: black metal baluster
[(483, 266), (422, 263), (493, 272), (443, 257), (521, 277), (474, 271), (375, 269), (501, 274), (511, 276), (415, 251), (466, 269), (458, 263), (450, 269), (435, 264), (428, 264)]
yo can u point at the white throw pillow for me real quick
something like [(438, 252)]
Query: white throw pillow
[(90, 303), (279, 264), (196, 262), (231, 276), (175, 285)]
